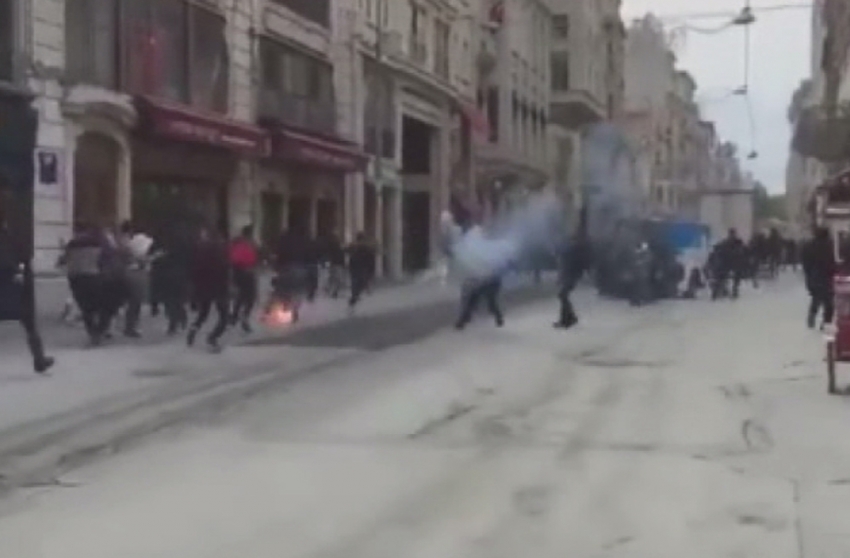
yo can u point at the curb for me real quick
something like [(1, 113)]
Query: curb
[(36, 454)]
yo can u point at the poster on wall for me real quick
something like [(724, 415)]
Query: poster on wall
[(49, 173)]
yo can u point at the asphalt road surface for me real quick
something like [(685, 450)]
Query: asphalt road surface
[(683, 429)]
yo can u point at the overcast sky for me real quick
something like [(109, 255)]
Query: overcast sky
[(779, 60)]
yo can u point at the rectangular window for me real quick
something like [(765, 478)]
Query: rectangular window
[(560, 71), (493, 113), (561, 27), (7, 39), (174, 50), (317, 11), (442, 35), (380, 105), (297, 89), (209, 60), (169, 43), (91, 39), (138, 61)]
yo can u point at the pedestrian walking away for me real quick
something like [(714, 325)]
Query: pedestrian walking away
[(210, 286), (17, 293), (819, 268), (361, 261), (244, 259)]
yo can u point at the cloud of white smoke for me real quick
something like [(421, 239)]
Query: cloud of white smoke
[(535, 228)]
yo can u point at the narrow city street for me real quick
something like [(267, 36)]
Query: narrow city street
[(681, 429)]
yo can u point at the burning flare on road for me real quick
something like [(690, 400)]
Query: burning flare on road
[(278, 315)]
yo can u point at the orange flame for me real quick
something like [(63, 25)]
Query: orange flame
[(279, 315)]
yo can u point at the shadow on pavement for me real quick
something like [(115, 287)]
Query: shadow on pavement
[(399, 327)]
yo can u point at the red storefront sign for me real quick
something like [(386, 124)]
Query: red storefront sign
[(181, 123), (309, 150)]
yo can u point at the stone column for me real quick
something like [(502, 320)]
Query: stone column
[(396, 233), (124, 186), (240, 197), (380, 235)]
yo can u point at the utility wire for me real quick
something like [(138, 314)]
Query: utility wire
[(732, 15)]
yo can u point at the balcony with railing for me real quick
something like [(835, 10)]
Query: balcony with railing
[(301, 112)]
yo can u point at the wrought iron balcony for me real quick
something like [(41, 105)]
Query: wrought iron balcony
[(301, 112)]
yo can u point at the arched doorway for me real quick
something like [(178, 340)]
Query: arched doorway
[(96, 179)]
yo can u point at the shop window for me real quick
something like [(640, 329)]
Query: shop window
[(210, 61), (271, 205), (7, 39), (299, 210), (91, 39)]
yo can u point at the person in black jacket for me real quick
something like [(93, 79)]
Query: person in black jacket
[(819, 267), (361, 260), (210, 278), (17, 296), (573, 262)]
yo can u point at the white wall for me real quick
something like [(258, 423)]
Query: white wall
[(724, 211), (649, 66)]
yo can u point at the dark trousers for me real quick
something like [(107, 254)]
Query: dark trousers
[(820, 299), (205, 303), (134, 288), (567, 315), (175, 312), (34, 341), (114, 295), (94, 303), (487, 290), (359, 284), (312, 281), (245, 281)]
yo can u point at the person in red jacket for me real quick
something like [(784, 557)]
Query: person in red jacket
[(244, 259)]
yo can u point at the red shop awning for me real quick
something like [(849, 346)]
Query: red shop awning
[(316, 151), (178, 122)]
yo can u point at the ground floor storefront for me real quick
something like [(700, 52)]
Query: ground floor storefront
[(301, 185)]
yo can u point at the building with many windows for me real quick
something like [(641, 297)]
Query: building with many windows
[(587, 88), (408, 68), (324, 116), (513, 90)]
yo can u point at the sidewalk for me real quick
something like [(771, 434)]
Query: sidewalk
[(88, 386)]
